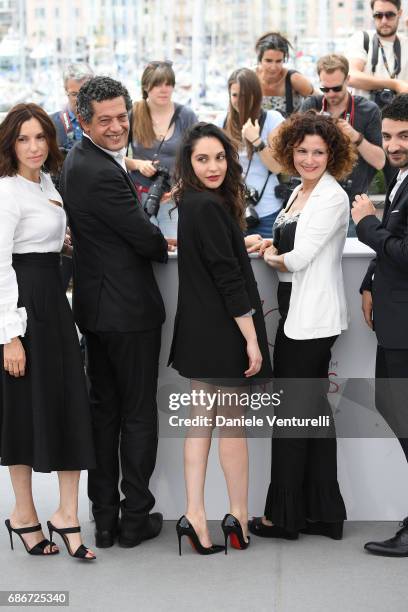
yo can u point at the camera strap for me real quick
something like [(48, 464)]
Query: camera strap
[(176, 113), (262, 120), (173, 120), (377, 46)]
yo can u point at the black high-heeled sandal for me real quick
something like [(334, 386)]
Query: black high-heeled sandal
[(80, 552), (185, 528), (232, 528), (38, 549)]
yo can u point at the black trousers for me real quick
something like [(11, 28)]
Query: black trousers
[(123, 370), (391, 391), (304, 469)]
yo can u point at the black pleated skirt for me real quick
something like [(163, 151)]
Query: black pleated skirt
[(45, 419)]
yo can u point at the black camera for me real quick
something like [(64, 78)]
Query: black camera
[(251, 197), (157, 189), (347, 186), (382, 97), (284, 190)]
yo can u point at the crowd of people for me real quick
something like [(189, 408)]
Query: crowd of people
[(137, 180)]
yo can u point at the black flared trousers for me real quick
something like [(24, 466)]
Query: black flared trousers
[(304, 482)]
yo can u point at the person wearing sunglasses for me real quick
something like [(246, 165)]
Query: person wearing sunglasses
[(379, 59), (157, 127), (357, 117), (282, 89)]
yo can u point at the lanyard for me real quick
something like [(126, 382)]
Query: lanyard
[(349, 114)]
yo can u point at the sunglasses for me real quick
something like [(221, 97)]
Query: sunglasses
[(387, 14), (336, 88), (161, 63)]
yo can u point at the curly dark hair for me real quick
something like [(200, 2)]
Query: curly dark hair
[(292, 132), (10, 130), (231, 190), (397, 110), (99, 89)]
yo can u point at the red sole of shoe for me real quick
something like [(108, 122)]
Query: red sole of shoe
[(235, 541)]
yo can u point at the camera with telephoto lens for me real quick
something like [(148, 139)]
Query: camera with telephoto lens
[(157, 189), (251, 197)]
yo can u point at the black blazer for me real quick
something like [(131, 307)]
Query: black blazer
[(216, 284), (387, 274), (114, 243)]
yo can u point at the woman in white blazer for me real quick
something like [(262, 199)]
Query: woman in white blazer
[(309, 236)]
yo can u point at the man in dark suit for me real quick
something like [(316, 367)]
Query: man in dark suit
[(118, 307), (385, 292)]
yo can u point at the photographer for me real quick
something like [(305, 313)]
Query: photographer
[(356, 116), (157, 127), (379, 60), (251, 130)]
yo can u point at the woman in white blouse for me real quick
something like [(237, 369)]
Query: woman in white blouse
[(309, 237), (45, 422)]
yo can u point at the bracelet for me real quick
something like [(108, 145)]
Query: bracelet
[(359, 140), (257, 138), (260, 147)]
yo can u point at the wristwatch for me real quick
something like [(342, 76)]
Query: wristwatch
[(260, 147)]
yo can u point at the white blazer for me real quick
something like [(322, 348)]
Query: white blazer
[(318, 306)]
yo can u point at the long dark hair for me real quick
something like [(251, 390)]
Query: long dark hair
[(232, 189), (10, 129), (249, 105)]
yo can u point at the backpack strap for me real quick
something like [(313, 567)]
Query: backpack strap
[(289, 92), (374, 58), (366, 41)]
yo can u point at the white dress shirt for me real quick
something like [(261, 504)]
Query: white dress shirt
[(29, 223), (118, 156), (402, 174)]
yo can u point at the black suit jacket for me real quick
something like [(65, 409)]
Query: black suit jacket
[(387, 274), (216, 284), (114, 244)]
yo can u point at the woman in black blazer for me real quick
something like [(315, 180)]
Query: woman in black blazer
[(219, 333)]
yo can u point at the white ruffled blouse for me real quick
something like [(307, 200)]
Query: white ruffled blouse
[(29, 223)]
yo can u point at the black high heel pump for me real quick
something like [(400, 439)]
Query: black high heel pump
[(80, 552), (38, 549), (185, 528), (232, 528)]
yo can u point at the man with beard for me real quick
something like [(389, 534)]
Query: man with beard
[(387, 74), (358, 118), (385, 292), (379, 60)]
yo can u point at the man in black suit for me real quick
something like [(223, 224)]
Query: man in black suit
[(385, 292), (118, 307)]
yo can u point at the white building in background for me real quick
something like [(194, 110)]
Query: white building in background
[(8, 16)]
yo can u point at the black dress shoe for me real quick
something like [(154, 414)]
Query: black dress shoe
[(323, 528), (151, 529), (105, 538), (258, 528), (394, 547)]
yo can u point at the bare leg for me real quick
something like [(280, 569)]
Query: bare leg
[(233, 452), (67, 513), (24, 513), (196, 451)]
